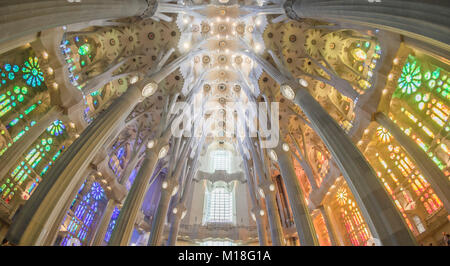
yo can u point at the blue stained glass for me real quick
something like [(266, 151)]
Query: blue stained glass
[(97, 191), (112, 224)]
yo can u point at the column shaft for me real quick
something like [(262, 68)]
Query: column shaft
[(125, 223), (159, 218), (174, 228), (39, 214), (328, 225), (261, 227), (302, 218), (104, 223), (431, 171), (276, 230), (20, 18), (380, 212)]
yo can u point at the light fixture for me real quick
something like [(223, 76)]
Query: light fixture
[(163, 152), (150, 144), (134, 79), (164, 184), (272, 187), (45, 55), (175, 190), (287, 91), (303, 82), (285, 147), (261, 212), (183, 214), (149, 89), (175, 210), (273, 155)]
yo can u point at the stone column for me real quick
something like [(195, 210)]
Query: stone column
[(13, 153), (104, 223), (276, 230), (160, 217), (260, 226), (302, 218), (262, 236), (40, 213), (21, 18), (328, 225), (175, 225), (400, 16), (430, 170), (121, 234), (380, 212)]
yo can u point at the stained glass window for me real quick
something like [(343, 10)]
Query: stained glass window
[(80, 225), (56, 128), (32, 72), (27, 174), (355, 226), (112, 224)]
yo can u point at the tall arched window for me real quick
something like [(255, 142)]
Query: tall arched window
[(79, 227), (219, 204), (221, 160)]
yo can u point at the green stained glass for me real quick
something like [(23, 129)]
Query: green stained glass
[(427, 75), (436, 73), (32, 73), (56, 128), (84, 49), (16, 89), (410, 78)]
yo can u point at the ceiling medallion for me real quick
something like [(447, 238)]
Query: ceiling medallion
[(205, 28), (222, 87), (238, 60), (222, 74), (206, 59), (222, 59), (222, 28), (222, 44), (237, 88), (240, 28), (206, 87)]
